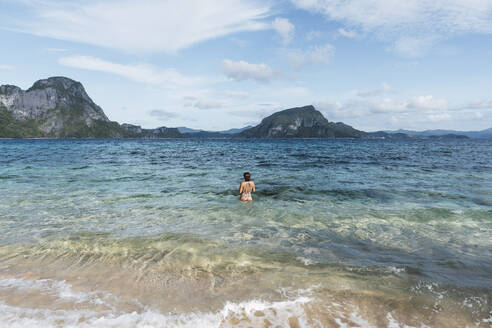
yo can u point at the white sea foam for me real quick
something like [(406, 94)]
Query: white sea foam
[(306, 261), (346, 316), (59, 289), (254, 312)]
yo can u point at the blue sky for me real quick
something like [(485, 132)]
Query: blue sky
[(218, 64)]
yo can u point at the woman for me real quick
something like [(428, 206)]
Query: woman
[(246, 188)]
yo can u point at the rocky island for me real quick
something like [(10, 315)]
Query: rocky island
[(59, 107), (300, 122)]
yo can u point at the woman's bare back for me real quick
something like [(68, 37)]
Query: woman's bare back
[(245, 189)]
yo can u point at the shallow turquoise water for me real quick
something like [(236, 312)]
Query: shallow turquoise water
[(418, 211)]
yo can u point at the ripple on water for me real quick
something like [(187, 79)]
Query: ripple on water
[(383, 228)]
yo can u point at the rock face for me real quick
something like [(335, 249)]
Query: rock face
[(60, 107), (300, 122)]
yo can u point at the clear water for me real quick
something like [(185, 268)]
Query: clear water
[(151, 233)]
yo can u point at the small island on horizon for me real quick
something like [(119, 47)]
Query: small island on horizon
[(59, 107)]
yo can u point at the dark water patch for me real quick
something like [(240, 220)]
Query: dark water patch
[(350, 194), (141, 196), (195, 174), (128, 197), (117, 179), (229, 192), (482, 201), (80, 167), (171, 190), (150, 177), (9, 176), (273, 191), (305, 165), (428, 195), (265, 164), (286, 192), (301, 156)]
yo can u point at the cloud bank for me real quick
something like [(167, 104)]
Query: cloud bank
[(242, 70), (412, 26), (284, 28), (314, 55), (143, 26), (138, 72)]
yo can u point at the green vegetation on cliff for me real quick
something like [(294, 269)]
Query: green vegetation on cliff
[(59, 107), (300, 122), (12, 128)]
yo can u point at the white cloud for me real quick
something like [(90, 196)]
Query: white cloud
[(162, 114), (6, 68), (356, 107), (414, 25), (200, 103), (385, 87), (314, 55), (439, 117), (413, 47), (313, 34), (284, 28), (208, 104), (242, 70), (142, 26), (478, 104), (427, 111), (427, 102), (347, 33), (139, 72)]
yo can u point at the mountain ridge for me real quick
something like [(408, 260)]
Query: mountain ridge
[(481, 134), (59, 107)]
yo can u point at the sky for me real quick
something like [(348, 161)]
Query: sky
[(220, 64)]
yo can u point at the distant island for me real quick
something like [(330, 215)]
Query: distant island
[(59, 107)]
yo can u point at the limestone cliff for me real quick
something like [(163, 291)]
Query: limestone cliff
[(59, 107), (300, 122)]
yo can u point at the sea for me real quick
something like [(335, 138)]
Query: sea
[(151, 233)]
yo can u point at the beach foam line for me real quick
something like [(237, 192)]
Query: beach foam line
[(256, 313), (58, 289), (50, 303)]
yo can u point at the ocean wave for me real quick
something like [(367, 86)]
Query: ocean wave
[(290, 312), (56, 303)]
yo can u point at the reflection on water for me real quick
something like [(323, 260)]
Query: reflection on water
[(151, 233)]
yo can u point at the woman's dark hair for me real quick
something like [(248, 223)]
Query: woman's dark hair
[(247, 176)]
